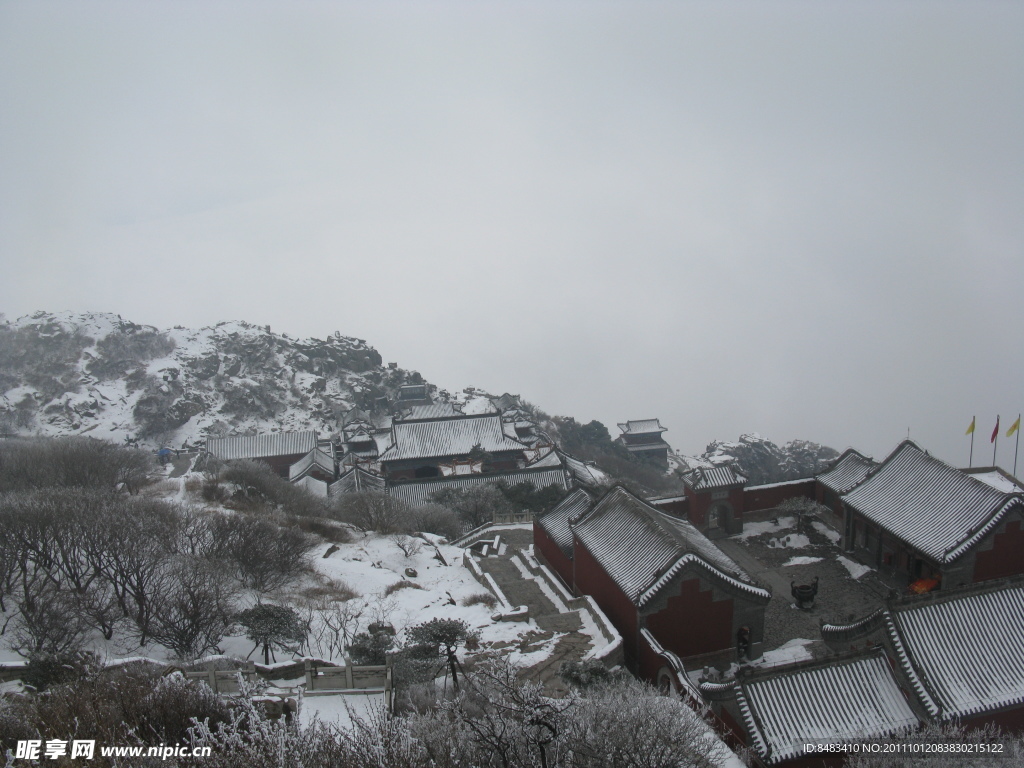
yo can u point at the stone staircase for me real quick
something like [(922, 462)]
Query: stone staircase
[(519, 590)]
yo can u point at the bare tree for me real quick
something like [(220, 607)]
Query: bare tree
[(192, 608), (373, 511), (259, 553)]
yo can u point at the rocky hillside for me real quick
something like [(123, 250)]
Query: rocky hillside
[(762, 461), (100, 374), (70, 373)]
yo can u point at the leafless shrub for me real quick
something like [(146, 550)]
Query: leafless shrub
[(437, 519), (372, 511), (481, 598), (399, 585), (71, 462), (330, 590), (47, 624), (407, 544), (259, 553), (193, 608), (256, 485), (325, 529), (128, 705)]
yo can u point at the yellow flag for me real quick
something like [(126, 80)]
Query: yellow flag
[(1013, 427), (970, 429)]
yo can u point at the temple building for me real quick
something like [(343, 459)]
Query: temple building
[(643, 439), (652, 574), (917, 517)]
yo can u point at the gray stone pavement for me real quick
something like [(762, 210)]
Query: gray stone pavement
[(572, 643), (840, 598)]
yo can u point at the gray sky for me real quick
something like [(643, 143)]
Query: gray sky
[(800, 219)]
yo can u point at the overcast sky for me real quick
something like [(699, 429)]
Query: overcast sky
[(800, 219)]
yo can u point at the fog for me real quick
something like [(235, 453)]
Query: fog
[(800, 219)]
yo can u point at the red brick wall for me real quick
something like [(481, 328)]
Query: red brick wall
[(678, 628), (1006, 556), (766, 498), (699, 504), (591, 579), (548, 551)]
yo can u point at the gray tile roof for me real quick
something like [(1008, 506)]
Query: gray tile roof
[(419, 492), (937, 509), (449, 437), (584, 472), (707, 478), (262, 446), (968, 651), (556, 522), (642, 427), (355, 480), (641, 548), (822, 702), (430, 411), (314, 459), (849, 469)]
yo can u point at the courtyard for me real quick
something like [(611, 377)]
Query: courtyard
[(777, 554)]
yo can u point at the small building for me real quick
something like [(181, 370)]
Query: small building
[(643, 439), (279, 449), (421, 446), (917, 517), (715, 499), (649, 571), (412, 394), (314, 471)]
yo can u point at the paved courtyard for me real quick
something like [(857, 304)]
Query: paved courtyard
[(776, 554)]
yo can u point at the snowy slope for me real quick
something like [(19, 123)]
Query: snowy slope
[(69, 373)]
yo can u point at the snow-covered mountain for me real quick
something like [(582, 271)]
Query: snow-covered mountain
[(762, 461), (67, 373), (99, 374)]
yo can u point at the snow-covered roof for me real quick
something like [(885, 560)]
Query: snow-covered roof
[(707, 478), (449, 437), (637, 545), (848, 470), (556, 522), (997, 478), (936, 508), (428, 411), (355, 480), (585, 472), (967, 649), (262, 446), (548, 458), (314, 459), (418, 492), (505, 402), (826, 701), (642, 427)]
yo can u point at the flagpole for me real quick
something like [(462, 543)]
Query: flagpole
[(1017, 447), (970, 461), (995, 442)]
